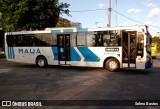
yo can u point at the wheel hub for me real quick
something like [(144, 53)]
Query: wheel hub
[(41, 62), (113, 65)]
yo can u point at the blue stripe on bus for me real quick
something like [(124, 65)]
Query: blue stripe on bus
[(8, 53), (55, 31), (10, 50), (9, 33), (82, 29), (74, 55), (88, 54), (67, 30), (55, 52), (11, 54)]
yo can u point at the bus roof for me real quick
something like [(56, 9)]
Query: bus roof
[(140, 28)]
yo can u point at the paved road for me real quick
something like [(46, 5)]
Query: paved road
[(28, 82)]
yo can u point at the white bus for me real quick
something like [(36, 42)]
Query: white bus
[(111, 48)]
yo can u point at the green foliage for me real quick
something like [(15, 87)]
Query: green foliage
[(0, 19), (31, 14), (156, 40)]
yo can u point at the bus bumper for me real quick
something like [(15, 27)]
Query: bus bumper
[(148, 64)]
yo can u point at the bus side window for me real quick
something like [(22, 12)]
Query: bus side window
[(140, 49), (106, 42), (81, 39), (119, 41), (140, 44), (10, 40), (98, 39)]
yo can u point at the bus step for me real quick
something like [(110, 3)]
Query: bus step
[(66, 65)]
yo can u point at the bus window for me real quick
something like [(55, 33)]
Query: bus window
[(90, 39), (44, 39), (10, 41), (148, 44), (111, 38), (73, 39), (31, 40), (106, 40), (140, 44), (81, 39)]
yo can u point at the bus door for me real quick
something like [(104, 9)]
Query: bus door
[(63, 42), (129, 49)]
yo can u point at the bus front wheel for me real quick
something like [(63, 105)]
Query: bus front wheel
[(112, 64), (41, 61)]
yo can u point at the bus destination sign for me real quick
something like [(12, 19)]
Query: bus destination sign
[(112, 49)]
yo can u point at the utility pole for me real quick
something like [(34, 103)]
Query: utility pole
[(96, 24), (109, 13), (116, 14)]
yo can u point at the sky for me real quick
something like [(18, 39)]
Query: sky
[(94, 13)]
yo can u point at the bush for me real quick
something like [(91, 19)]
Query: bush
[(2, 55)]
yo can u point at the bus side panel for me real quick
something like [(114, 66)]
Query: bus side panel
[(10, 54), (29, 54), (26, 54), (140, 63), (143, 63), (93, 56), (50, 53), (106, 52), (77, 59)]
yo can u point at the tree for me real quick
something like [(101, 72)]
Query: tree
[(0, 20), (156, 40), (31, 14)]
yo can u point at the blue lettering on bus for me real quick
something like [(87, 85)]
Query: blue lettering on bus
[(29, 51), (26, 51), (20, 51), (32, 51), (38, 51)]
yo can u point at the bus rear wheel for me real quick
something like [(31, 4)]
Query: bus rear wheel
[(41, 62), (112, 64)]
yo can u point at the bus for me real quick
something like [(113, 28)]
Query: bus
[(111, 48), (154, 50)]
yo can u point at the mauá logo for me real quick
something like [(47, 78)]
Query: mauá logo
[(29, 51)]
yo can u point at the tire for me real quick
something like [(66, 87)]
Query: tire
[(112, 64), (41, 62)]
